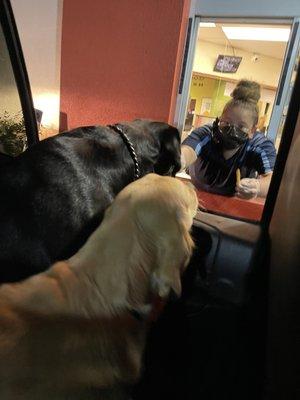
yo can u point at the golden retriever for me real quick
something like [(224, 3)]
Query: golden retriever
[(75, 331)]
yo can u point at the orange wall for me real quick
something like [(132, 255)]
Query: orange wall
[(119, 59)]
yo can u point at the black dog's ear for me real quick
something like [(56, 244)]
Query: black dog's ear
[(173, 150), (168, 162)]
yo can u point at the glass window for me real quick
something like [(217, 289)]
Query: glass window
[(225, 53), (12, 128)]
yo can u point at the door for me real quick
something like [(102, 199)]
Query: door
[(234, 334)]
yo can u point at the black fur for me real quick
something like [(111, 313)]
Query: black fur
[(54, 194)]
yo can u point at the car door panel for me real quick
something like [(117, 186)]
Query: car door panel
[(199, 346), (212, 343), (234, 246)]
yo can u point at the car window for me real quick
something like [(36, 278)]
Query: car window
[(12, 127)]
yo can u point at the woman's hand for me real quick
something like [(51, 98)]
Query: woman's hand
[(188, 157), (248, 188)]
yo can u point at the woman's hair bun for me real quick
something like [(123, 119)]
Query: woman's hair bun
[(247, 91)]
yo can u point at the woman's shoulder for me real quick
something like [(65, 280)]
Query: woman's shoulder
[(199, 138), (202, 132), (204, 129), (260, 141)]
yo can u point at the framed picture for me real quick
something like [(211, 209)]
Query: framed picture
[(205, 106)]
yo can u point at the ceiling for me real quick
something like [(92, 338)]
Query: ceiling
[(267, 48)]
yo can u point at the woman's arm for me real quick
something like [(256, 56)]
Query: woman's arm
[(194, 144), (263, 161), (188, 157), (264, 183)]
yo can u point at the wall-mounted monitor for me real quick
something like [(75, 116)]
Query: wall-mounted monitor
[(227, 64)]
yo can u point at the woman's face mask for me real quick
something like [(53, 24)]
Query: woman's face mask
[(228, 136)]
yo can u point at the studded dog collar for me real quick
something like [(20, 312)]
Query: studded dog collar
[(130, 147)]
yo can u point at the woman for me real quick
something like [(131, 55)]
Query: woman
[(217, 154)]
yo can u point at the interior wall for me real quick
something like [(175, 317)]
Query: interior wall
[(208, 85), (210, 95), (118, 60), (266, 70), (39, 27)]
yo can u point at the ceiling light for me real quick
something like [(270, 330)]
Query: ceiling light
[(207, 25), (252, 33)]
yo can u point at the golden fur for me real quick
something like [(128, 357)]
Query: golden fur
[(67, 333)]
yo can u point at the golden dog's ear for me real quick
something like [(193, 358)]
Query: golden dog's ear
[(163, 222), (173, 254)]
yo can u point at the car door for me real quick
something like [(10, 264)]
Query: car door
[(234, 334)]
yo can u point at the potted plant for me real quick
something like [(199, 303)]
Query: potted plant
[(12, 134)]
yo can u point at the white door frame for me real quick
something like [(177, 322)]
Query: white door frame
[(284, 87), (182, 98)]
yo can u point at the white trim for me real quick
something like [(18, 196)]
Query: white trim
[(253, 8), (182, 99), (286, 74)]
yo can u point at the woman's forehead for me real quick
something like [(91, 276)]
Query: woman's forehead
[(237, 115)]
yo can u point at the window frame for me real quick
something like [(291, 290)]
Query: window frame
[(283, 152), (290, 121)]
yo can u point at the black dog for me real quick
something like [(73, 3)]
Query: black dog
[(54, 194)]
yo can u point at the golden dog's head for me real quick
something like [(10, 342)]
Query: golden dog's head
[(160, 211)]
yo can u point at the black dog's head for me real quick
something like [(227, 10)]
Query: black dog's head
[(166, 149)]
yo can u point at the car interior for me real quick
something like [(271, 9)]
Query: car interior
[(233, 334)]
